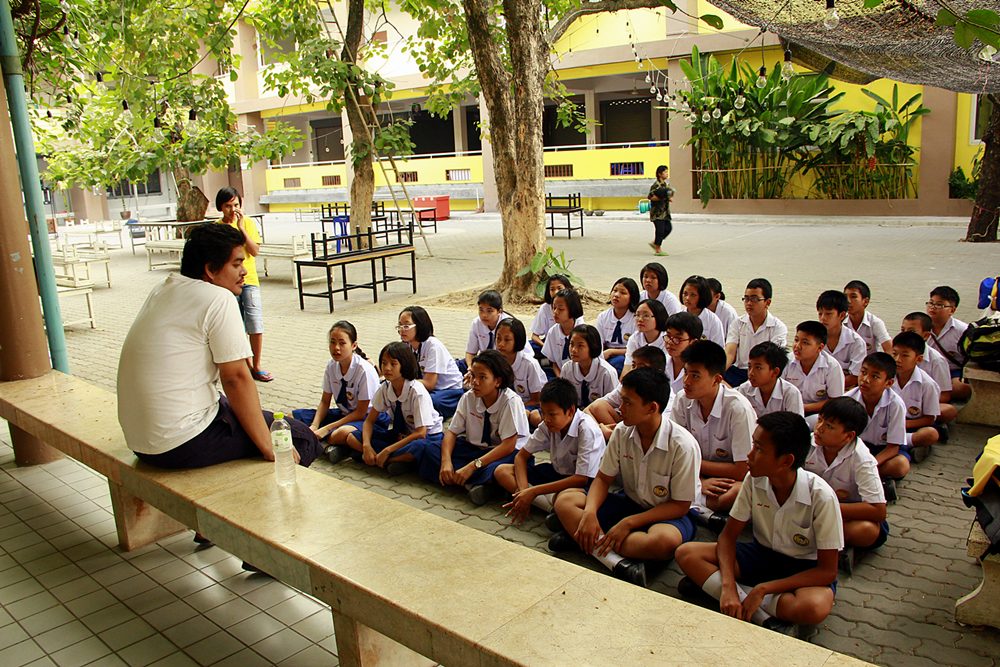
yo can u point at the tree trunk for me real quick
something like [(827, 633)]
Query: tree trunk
[(192, 204), (359, 115), (986, 211)]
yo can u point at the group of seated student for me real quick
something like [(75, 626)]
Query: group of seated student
[(669, 414)]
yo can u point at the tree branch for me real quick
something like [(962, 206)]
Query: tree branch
[(563, 24)]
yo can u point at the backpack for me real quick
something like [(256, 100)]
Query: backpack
[(987, 289), (980, 343)]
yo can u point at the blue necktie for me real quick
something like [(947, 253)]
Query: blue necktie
[(565, 355), (398, 421), (342, 395), (584, 394), (616, 337), (492, 344), (487, 438)]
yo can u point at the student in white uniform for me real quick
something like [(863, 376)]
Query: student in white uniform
[(607, 409), (650, 323), (814, 371), (440, 374), (653, 278), (543, 318), (871, 328), (617, 323), (788, 573), (696, 296), (587, 371), (946, 330), (567, 310), (683, 329), (757, 326), (885, 434), (843, 343), (483, 330), (919, 392), (722, 308), (657, 464), (933, 363), (529, 378), (766, 390)]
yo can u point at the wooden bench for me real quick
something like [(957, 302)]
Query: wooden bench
[(172, 248), (984, 406), (73, 265), (372, 247), (568, 206), (405, 587), (291, 251), (86, 291)]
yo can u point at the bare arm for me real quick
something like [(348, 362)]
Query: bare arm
[(862, 511), (730, 354), (241, 391)]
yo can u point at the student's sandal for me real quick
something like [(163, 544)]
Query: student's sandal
[(631, 571), (394, 468), (337, 453), (845, 561)]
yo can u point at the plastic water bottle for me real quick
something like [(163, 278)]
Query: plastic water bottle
[(281, 442)]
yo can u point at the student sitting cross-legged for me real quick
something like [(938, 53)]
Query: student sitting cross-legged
[(846, 346), (766, 390), (657, 462), (788, 573), (590, 374), (607, 409)]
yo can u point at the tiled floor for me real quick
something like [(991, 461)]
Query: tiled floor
[(69, 596)]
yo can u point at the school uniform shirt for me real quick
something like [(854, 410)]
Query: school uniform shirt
[(935, 365), (507, 418), (785, 396), (361, 380), (607, 323), (555, 344), (741, 332), (725, 436), (850, 351), (638, 340), (854, 471), (887, 425), (712, 327), (433, 357), (667, 298), (676, 382), (601, 379), (872, 330), (921, 395), (726, 314), (543, 320), (528, 376), (824, 380), (667, 471), (481, 337), (418, 410), (947, 340), (809, 520), (578, 452)]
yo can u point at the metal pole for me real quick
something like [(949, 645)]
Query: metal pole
[(10, 61)]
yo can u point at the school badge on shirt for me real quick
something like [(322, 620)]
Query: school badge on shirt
[(350, 395), (626, 337), (660, 491), (519, 388), (800, 539), (913, 410), (720, 452), (821, 393)]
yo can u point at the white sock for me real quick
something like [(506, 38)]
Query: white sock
[(610, 559), (544, 502), (760, 615), (770, 604), (713, 585)]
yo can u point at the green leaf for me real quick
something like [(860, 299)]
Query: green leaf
[(945, 18), (713, 21), (964, 35), (986, 17), (872, 4)]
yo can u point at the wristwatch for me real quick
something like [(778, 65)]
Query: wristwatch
[(478, 463)]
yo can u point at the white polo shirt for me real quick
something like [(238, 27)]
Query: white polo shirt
[(361, 380), (725, 436), (507, 418), (726, 314), (578, 452), (947, 340), (543, 320), (168, 369), (529, 378), (433, 357), (606, 322), (418, 410), (638, 340), (887, 426), (667, 298), (784, 397), (601, 379), (555, 342), (479, 335), (741, 332), (667, 471), (808, 521), (712, 327), (935, 365), (921, 395), (850, 352), (676, 382), (872, 330), (824, 380), (853, 471)]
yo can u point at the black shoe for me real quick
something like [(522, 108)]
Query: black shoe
[(889, 488), (632, 571), (337, 453), (480, 494), (393, 468), (775, 624), (920, 454), (552, 522), (250, 567), (716, 522), (942, 430), (201, 539), (562, 542), (845, 561), (689, 590)]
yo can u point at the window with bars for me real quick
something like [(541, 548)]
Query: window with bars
[(406, 177), (293, 182), (558, 171), (331, 180), (628, 168), (458, 174)]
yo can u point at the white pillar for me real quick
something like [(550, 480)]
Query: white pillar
[(491, 200), (461, 128), (590, 109)]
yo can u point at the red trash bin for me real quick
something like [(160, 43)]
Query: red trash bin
[(440, 203)]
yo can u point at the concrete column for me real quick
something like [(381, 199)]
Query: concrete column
[(88, 206), (681, 178), (491, 200), (210, 183), (254, 175), (592, 112), (937, 138), (461, 129), (246, 43)]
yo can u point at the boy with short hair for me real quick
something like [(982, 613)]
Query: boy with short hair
[(933, 363), (946, 330), (681, 331), (607, 409), (757, 326), (814, 371), (788, 574), (766, 390), (871, 328), (844, 344), (722, 421), (918, 390), (840, 457), (483, 331), (575, 445), (657, 462)]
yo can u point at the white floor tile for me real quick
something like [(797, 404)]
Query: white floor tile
[(127, 633), (147, 651), (281, 645), (214, 648), (254, 629), (63, 636), (80, 653)]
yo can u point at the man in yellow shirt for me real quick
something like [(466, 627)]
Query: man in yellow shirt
[(229, 202)]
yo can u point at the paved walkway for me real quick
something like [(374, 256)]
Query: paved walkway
[(895, 609)]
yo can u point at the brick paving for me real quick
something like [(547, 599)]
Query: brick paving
[(896, 608)]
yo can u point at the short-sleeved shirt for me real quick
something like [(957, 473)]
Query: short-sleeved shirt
[(361, 380), (578, 452), (726, 314), (946, 342), (726, 435), (638, 340), (887, 425), (543, 320), (850, 352), (529, 378), (872, 330), (660, 209), (168, 369), (935, 365), (479, 335), (606, 323), (668, 470), (433, 357), (507, 419), (854, 471), (921, 395), (824, 380), (712, 327), (667, 298), (555, 342), (676, 381), (741, 332), (601, 379), (785, 396), (418, 409), (807, 522), (250, 262)]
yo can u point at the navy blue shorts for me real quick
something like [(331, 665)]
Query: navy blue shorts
[(735, 376), (382, 437), (542, 473), (904, 450), (618, 506), (758, 564), (445, 401), (955, 373), (883, 535)]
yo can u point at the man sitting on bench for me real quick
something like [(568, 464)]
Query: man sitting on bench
[(187, 336)]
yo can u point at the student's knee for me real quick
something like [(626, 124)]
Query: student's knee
[(895, 468), (948, 413), (340, 435), (806, 606), (860, 533), (534, 418), (665, 542), (960, 391), (924, 437), (570, 500), (504, 475), (352, 441), (696, 559)]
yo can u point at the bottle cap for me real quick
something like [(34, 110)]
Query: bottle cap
[(279, 415)]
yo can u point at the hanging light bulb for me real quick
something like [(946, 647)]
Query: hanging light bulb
[(787, 70), (125, 108), (192, 117), (649, 79), (64, 6), (831, 19), (706, 117), (48, 113), (157, 129), (762, 77), (987, 53), (659, 96), (716, 113), (75, 42), (69, 99), (99, 76), (652, 89), (692, 118), (740, 101)]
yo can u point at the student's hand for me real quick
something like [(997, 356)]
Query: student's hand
[(368, 454), (588, 532), (295, 456), (462, 475), (447, 473), (519, 507), (729, 602), (607, 430), (382, 457), (614, 538), (752, 601), (716, 486)]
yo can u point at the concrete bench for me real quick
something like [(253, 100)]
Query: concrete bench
[(984, 406), (981, 606), (405, 587), (171, 248), (298, 248)]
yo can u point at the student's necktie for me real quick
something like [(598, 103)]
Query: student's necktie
[(616, 337), (584, 393), (487, 438), (342, 394), (566, 349), (492, 344), (398, 420)]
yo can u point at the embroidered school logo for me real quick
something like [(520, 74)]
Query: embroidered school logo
[(821, 393), (659, 491), (350, 395), (626, 337), (520, 388), (594, 396), (800, 539), (913, 411), (721, 453)]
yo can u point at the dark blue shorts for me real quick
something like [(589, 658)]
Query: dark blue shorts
[(955, 373), (543, 473), (883, 535), (618, 506), (382, 437), (904, 450), (463, 454), (758, 564), (735, 376)]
